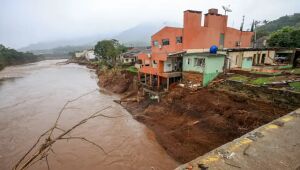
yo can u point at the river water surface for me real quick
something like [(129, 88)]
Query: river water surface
[(30, 98)]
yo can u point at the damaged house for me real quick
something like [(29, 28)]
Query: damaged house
[(184, 51)]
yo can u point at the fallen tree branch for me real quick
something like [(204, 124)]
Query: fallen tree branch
[(42, 149), (84, 139)]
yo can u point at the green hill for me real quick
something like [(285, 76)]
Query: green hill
[(12, 57), (272, 26)]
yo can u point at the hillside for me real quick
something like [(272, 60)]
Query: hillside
[(288, 20), (12, 57), (140, 35)]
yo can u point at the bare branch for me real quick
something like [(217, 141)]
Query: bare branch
[(65, 105), (42, 151), (33, 146), (60, 129), (49, 142), (86, 140), (47, 162)]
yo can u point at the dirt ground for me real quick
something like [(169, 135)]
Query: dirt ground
[(116, 81), (188, 124)]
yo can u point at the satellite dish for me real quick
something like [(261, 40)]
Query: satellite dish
[(226, 9)]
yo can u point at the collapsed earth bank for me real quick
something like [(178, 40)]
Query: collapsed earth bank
[(191, 123)]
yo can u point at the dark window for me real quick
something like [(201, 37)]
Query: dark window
[(199, 62), (188, 61), (179, 40), (155, 43), (254, 59), (165, 42), (263, 58)]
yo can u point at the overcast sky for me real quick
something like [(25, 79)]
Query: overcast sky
[(23, 22)]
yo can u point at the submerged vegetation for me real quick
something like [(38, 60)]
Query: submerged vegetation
[(10, 57)]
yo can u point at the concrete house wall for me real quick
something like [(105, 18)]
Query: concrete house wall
[(189, 63), (213, 65), (240, 58)]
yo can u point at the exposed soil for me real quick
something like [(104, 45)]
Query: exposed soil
[(189, 124), (116, 81)]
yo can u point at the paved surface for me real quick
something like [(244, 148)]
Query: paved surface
[(273, 146)]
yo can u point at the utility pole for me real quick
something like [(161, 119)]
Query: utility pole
[(255, 23)]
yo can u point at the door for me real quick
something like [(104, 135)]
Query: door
[(239, 60)]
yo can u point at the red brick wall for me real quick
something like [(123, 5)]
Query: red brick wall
[(167, 33)]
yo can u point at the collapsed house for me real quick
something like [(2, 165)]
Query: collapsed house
[(183, 51)]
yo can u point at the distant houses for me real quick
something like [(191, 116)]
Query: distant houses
[(87, 54), (130, 56)]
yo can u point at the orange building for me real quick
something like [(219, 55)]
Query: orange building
[(168, 46)]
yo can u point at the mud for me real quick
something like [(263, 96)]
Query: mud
[(189, 124), (117, 81)]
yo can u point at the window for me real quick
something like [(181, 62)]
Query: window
[(154, 62), (237, 43), (155, 43), (199, 62), (254, 59), (165, 42), (188, 61), (179, 40), (263, 58)]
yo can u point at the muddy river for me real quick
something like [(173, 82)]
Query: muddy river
[(30, 98)]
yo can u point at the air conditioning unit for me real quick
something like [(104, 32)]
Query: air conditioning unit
[(159, 46), (149, 55)]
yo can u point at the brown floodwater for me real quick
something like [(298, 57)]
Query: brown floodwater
[(30, 98)]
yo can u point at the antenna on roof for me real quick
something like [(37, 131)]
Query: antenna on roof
[(226, 9)]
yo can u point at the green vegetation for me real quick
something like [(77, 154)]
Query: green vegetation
[(12, 57), (239, 78), (108, 50), (266, 73), (294, 71), (295, 86), (268, 27), (262, 80), (285, 67), (132, 69), (285, 37)]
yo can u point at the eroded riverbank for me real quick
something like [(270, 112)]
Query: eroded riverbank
[(30, 103), (190, 123)]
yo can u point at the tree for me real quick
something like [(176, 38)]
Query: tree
[(12, 57), (108, 50), (295, 36), (285, 37)]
